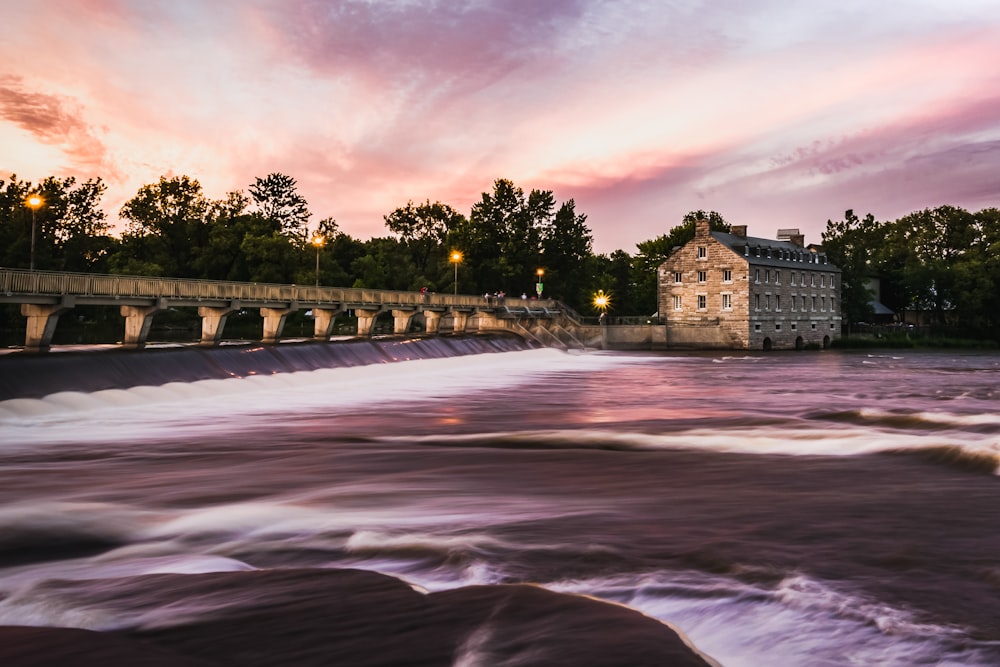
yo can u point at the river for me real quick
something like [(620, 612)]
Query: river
[(810, 508)]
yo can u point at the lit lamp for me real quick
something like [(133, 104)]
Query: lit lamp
[(319, 240), (456, 259), (33, 202), (538, 285), (601, 302)]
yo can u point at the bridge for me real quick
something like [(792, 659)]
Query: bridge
[(45, 295)]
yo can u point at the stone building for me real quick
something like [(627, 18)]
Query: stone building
[(733, 291)]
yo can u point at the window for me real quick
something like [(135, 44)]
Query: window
[(793, 278), (727, 276), (767, 302), (794, 326), (814, 303), (793, 303), (756, 327), (822, 303), (678, 277), (702, 252), (756, 275), (812, 280), (777, 302), (702, 302), (756, 301), (702, 276), (727, 301), (804, 307), (822, 279), (767, 276), (777, 326), (777, 277), (677, 302)]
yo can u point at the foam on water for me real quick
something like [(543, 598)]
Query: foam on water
[(800, 622), (177, 410)]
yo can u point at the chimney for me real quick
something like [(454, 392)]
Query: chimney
[(793, 236), (738, 230), (701, 227)]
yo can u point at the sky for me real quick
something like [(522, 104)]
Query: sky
[(776, 114)]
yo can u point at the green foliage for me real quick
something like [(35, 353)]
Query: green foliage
[(847, 243), (942, 262), (71, 232), (279, 202), (424, 230)]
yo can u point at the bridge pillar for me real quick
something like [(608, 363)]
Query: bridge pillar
[(459, 320), (138, 320), (42, 320), (323, 321), (213, 320), (432, 319), (274, 321), (366, 318), (401, 321)]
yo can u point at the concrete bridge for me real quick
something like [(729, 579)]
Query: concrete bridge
[(45, 295)]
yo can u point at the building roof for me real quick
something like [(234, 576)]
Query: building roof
[(782, 253)]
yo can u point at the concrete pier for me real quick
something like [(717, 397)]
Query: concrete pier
[(138, 320), (213, 320), (401, 320), (274, 321), (323, 321), (366, 319), (42, 320)]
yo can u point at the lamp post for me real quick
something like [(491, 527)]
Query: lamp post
[(601, 303), (539, 286), (456, 259), (318, 240), (34, 201)]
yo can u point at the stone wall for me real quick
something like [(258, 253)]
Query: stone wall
[(703, 264)]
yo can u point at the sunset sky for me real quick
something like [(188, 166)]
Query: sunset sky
[(773, 113)]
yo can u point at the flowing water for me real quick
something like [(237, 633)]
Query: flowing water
[(827, 508)]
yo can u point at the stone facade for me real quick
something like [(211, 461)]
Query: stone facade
[(730, 291)]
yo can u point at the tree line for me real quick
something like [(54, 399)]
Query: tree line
[(943, 263), (510, 241)]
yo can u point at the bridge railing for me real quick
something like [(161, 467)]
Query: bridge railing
[(54, 283)]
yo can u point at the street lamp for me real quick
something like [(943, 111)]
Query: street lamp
[(456, 259), (318, 241), (601, 303), (538, 285), (33, 202)]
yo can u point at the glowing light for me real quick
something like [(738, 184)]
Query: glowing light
[(602, 301), (34, 201), (456, 259)]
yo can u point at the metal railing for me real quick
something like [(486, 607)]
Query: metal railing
[(16, 282)]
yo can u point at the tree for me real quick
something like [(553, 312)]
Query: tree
[(848, 243), (501, 240), (278, 201), (166, 223), (424, 230), (71, 232), (567, 246)]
